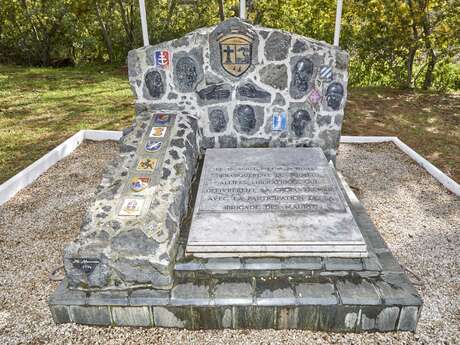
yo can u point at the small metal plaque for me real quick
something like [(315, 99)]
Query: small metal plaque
[(86, 265)]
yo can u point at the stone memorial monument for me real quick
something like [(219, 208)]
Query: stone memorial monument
[(263, 233)]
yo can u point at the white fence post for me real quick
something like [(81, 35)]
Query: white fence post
[(243, 9), (338, 22), (145, 33)]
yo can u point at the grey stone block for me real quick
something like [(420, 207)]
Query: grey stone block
[(191, 294), (408, 319), (223, 264), (395, 289), (307, 263), (142, 297), (357, 292), (287, 318), (386, 319), (343, 264), (177, 317), (60, 313), (233, 293), (65, 296), (212, 318), (262, 264), (254, 317), (371, 263), (388, 262), (346, 318), (92, 315), (131, 316), (276, 291), (107, 298), (315, 294)]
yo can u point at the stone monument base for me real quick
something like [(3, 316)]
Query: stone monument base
[(314, 293)]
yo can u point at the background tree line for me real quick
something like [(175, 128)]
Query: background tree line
[(398, 43)]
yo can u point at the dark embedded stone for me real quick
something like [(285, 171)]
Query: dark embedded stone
[(334, 95), (338, 119), (127, 130), (166, 173), (300, 120), (228, 141), (215, 92), (101, 215), (217, 120), (127, 148), (330, 138), (249, 91), (134, 242), (141, 271), (154, 84), (177, 142), (275, 76), (115, 225), (279, 100), (103, 236), (244, 118), (264, 34), (341, 61), (186, 73), (209, 142), (174, 154), (277, 46), (299, 47), (302, 73), (172, 95), (323, 120)]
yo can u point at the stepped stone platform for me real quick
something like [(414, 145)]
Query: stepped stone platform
[(293, 249), (315, 293)]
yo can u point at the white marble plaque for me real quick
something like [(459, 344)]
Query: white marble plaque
[(271, 202)]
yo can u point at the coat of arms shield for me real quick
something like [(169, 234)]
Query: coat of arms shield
[(235, 53)]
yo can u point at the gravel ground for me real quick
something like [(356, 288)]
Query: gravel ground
[(418, 218)]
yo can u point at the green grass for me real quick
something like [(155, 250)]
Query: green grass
[(41, 107)]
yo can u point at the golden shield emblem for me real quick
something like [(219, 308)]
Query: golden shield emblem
[(235, 53)]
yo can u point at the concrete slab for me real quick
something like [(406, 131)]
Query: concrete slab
[(272, 202)]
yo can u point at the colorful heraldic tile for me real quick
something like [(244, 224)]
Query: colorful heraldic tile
[(314, 96), (139, 183), (279, 122), (153, 145), (162, 59), (162, 119), (158, 132), (325, 73), (131, 207), (147, 164), (235, 53)]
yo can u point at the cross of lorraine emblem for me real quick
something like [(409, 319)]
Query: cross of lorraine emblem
[(235, 53)]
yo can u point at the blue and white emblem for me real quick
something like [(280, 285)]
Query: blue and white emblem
[(325, 73), (279, 122), (162, 58), (153, 146)]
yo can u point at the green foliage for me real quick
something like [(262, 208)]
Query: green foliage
[(400, 43)]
